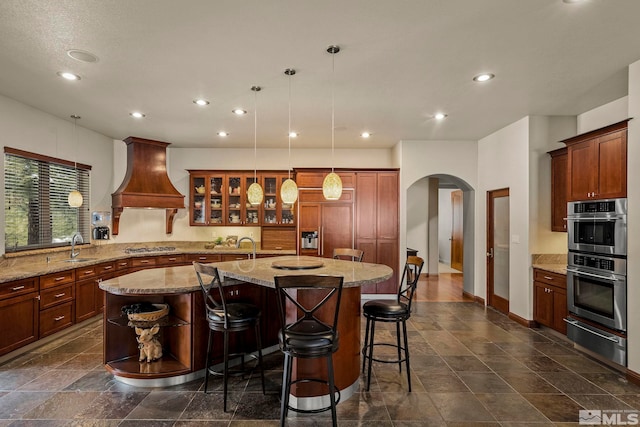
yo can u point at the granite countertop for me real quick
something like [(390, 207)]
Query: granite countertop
[(555, 263), (183, 279), (38, 263)]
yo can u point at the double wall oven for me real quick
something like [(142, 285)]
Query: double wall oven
[(596, 277)]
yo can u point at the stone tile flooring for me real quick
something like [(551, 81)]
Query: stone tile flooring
[(471, 366)]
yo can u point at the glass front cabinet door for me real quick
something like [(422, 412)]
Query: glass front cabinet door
[(275, 211)]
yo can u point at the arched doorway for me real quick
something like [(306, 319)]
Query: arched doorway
[(429, 198)]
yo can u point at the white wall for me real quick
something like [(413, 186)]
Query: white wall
[(445, 225), (503, 162), (29, 129), (458, 159), (417, 208), (605, 115)]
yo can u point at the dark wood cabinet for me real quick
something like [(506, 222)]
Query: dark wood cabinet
[(550, 299), (377, 228), (597, 163), (332, 220), (559, 173), (89, 298), (19, 308), (57, 294)]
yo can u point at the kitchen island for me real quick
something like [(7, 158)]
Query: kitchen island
[(185, 330)]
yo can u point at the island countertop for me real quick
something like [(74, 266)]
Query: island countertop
[(182, 279)]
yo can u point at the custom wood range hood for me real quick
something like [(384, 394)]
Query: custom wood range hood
[(146, 183)]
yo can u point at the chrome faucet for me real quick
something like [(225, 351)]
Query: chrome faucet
[(253, 243), (77, 238)]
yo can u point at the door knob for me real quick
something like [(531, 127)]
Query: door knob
[(490, 253)]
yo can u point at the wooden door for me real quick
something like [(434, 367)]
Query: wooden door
[(336, 230), (542, 304), (387, 206), (457, 238), (498, 249), (366, 205)]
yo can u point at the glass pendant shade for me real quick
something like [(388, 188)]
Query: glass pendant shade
[(289, 192), (255, 194), (75, 199), (332, 186)]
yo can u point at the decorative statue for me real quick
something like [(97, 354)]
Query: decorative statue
[(150, 347)]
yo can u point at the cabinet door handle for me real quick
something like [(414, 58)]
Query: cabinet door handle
[(144, 261), (172, 259), (86, 272), (59, 318), (202, 258), (548, 277), (109, 267), (60, 295), (17, 288), (57, 279)]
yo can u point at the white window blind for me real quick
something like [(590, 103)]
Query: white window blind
[(37, 214)]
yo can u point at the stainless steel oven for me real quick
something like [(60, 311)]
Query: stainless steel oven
[(597, 289), (598, 226)]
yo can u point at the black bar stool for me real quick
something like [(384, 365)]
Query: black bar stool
[(396, 311), (225, 317), (308, 336)]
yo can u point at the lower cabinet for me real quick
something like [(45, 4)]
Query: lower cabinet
[(550, 299), (19, 308), (57, 293)]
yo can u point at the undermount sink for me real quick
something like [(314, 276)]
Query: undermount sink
[(79, 259)]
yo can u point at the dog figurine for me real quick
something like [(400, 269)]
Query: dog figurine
[(150, 347)]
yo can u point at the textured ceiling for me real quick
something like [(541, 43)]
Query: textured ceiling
[(401, 61)]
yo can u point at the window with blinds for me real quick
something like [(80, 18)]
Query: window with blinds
[(37, 214)]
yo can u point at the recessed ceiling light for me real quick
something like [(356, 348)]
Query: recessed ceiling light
[(137, 115), (68, 76), (572, 1), (239, 111), (365, 134), (223, 133), (82, 55), (293, 134), (483, 77), (439, 116), (201, 102)]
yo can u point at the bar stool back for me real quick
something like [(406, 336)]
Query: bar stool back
[(348, 254), (225, 317), (396, 311), (308, 336)]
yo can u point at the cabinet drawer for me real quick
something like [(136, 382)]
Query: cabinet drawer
[(57, 295), (554, 279), (235, 257), (123, 264), (56, 319), (105, 268), (143, 262), (170, 259), (55, 279), (205, 258), (85, 272), (18, 287)]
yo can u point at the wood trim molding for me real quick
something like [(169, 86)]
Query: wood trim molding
[(476, 299), (633, 377), (521, 320)]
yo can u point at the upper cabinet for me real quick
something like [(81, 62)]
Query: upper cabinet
[(220, 198), (559, 159), (597, 163)]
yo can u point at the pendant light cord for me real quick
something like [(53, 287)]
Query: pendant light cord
[(255, 133), (333, 107), (289, 134)]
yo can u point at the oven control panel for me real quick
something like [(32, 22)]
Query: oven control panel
[(600, 263)]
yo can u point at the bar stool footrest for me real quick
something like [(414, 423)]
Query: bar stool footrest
[(314, 411), (367, 356)]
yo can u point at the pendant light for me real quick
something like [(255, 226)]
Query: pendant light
[(332, 184), (254, 192), (75, 197), (289, 188)]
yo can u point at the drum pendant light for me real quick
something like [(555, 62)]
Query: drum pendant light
[(332, 184), (289, 188), (254, 192), (75, 197)]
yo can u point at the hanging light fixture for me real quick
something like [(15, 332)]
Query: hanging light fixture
[(332, 184), (289, 188), (254, 192), (75, 197)]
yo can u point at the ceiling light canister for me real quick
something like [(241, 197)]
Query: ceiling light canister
[(69, 76), (201, 102), (223, 133), (440, 116), (365, 134), (239, 111), (483, 77), (137, 115)]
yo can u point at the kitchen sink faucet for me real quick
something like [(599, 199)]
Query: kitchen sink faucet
[(77, 238), (253, 243)]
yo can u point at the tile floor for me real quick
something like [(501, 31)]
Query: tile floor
[(471, 366)]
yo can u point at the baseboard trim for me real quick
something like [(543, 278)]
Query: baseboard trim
[(476, 299), (521, 320), (633, 377)]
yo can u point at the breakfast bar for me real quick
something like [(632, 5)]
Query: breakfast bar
[(184, 330)]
